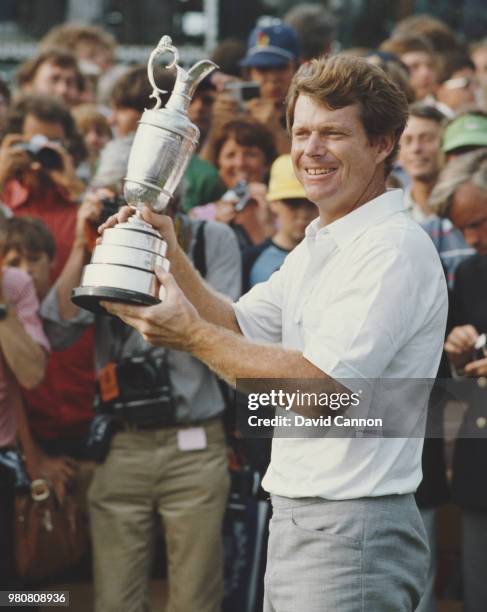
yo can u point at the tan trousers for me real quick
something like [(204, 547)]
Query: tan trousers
[(144, 479)]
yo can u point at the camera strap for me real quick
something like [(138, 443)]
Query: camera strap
[(108, 386)]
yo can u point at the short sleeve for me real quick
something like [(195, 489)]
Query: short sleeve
[(63, 333), (20, 292), (259, 312), (370, 316), (223, 259)]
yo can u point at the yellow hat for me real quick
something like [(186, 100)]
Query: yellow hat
[(283, 183)]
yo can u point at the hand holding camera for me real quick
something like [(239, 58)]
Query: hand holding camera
[(39, 154), (96, 208), (13, 159), (466, 350), (264, 111)]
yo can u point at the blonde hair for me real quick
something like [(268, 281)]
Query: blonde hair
[(87, 116), (467, 168), (72, 35)]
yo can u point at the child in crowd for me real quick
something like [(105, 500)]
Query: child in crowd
[(30, 246), (96, 132), (293, 213)]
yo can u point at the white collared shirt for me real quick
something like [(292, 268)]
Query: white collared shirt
[(363, 298)]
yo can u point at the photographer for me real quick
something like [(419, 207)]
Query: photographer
[(461, 196), (270, 62), (38, 158), (242, 150), (40, 182), (166, 460)]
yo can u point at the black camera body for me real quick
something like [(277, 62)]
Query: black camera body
[(39, 149), (109, 207), (144, 393)]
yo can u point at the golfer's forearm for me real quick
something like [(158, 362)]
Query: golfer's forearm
[(210, 305), (234, 357)]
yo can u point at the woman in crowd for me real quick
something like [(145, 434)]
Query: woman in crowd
[(242, 151)]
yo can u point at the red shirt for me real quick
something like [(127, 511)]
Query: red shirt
[(62, 405)]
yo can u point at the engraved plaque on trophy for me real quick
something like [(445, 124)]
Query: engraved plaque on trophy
[(122, 265)]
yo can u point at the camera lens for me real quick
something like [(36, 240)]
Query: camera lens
[(49, 159)]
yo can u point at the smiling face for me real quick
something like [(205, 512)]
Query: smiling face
[(339, 168), (238, 162), (420, 149)]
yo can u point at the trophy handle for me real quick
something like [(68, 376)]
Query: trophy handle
[(186, 81), (164, 46)]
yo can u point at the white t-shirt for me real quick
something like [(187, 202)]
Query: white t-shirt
[(363, 298)]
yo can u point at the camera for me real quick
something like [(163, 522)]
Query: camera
[(242, 91), (144, 392), (110, 206), (39, 148), (240, 193)]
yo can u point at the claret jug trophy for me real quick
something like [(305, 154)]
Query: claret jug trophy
[(122, 265)]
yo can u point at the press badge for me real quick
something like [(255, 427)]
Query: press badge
[(192, 438)]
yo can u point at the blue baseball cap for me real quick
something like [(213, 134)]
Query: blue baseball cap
[(271, 46)]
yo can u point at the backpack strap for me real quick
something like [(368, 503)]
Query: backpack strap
[(199, 251)]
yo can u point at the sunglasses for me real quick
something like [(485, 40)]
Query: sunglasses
[(459, 83)]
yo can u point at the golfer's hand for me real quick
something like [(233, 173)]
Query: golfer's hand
[(174, 323), (162, 223)]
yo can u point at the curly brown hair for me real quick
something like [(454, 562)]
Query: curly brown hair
[(340, 81)]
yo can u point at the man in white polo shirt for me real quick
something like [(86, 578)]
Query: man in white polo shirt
[(363, 297)]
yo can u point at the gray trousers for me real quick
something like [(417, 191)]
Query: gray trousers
[(361, 555), (428, 599)]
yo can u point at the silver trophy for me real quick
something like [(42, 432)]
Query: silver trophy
[(122, 265)]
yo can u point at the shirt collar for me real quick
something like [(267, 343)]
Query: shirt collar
[(409, 203), (346, 229)]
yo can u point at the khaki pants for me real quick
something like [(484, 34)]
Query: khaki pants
[(146, 478)]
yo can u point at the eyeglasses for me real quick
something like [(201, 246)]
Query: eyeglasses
[(460, 83)]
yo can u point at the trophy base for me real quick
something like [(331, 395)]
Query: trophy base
[(89, 298)]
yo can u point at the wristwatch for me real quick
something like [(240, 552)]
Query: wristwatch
[(3, 311)]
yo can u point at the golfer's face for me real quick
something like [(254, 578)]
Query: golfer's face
[(332, 156)]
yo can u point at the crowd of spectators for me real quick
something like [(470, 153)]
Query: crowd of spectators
[(67, 124)]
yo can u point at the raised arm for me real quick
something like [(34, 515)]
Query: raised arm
[(70, 276)]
